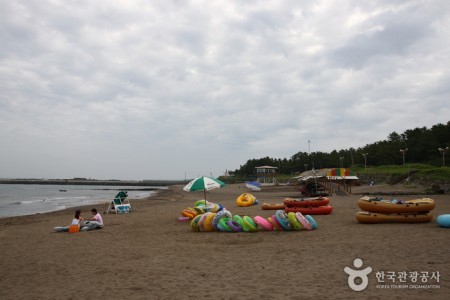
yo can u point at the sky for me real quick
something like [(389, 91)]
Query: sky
[(139, 90)]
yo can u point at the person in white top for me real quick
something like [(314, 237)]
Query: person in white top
[(77, 218), (96, 222)]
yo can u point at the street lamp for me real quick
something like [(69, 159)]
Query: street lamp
[(365, 161), (342, 161), (403, 152), (443, 152)]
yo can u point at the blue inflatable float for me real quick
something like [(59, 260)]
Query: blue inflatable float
[(443, 220)]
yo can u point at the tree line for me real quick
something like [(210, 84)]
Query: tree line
[(419, 145)]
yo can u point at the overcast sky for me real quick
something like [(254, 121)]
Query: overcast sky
[(168, 89)]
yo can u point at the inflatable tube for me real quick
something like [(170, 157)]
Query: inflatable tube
[(281, 217), (294, 221), (372, 204), (184, 219), (223, 225), (274, 222), (248, 222), (270, 206), (310, 210), (443, 220), (263, 223), (208, 222), (316, 201), (245, 200), (239, 220), (221, 214), (199, 210), (301, 218), (235, 226), (202, 221), (194, 223), (312, 221), (209, 207), (372, 217), (202, 203), (189, 213)]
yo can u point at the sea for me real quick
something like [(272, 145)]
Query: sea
[(30, 199)]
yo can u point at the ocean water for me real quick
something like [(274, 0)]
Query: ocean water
[(29, 199)]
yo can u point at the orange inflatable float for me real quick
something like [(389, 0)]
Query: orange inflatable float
[(316, 201)]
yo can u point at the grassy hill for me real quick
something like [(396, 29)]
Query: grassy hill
[(420, 172)]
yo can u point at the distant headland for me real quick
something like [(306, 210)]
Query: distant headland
[(85, 181)]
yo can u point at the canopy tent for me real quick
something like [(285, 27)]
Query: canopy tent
[(331, 174), (341, 173)]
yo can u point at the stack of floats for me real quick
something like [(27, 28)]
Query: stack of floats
[(214, 217), (378, 210), (311, 206)]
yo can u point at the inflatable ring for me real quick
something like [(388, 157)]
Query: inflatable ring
[(208, 222), (220, 215), (249, 223), (189, 213), (234, 225), (194, 223), (201, 222), (274, 222), (312, 221), (184, 219), (199, 210), (202, 203), (263, 223), (223, 225), (294, 222), (281, 217), (304, 221), (239, 220), (245, 200)]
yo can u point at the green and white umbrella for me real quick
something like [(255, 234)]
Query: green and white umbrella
[(204, 184)]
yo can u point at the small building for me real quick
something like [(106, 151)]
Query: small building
[(266, 174)]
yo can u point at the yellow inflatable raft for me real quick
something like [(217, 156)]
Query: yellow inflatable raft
[(245, 200), (371, 217), (372, 204)]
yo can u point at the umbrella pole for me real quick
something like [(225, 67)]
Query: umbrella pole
[(204, 192)]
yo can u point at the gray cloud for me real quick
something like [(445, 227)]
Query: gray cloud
[(139, 90)]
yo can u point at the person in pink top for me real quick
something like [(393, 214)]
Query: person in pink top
[(96, 222)]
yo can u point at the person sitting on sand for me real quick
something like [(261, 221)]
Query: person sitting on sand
[(77, 220), (96, 222)]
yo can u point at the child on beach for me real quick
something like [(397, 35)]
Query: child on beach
[(76, 221), (77, 218), (96, 222)]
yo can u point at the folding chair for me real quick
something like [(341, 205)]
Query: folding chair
[(117, 204)]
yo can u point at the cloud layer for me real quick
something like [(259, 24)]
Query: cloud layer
[(168, 89)]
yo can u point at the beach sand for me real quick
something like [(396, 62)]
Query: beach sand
[(149, 254)]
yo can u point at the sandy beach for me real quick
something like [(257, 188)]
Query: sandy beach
[(149, 254)]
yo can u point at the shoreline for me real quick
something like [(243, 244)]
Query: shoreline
[(150, 254)]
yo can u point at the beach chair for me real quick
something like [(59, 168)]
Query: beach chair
[(118, 204)]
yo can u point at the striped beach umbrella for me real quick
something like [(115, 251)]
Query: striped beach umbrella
[(204, 184)]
